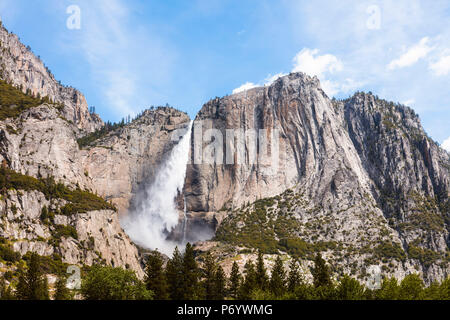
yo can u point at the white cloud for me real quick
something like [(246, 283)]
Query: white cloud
[(267, 82), (409, 102), (309, 62), (366, 53), (441, 67), (332, 88), (446, 144), (412, 55), (324, 67), (245, 86)]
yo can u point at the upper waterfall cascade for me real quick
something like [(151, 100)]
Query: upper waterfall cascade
[(156, 213)]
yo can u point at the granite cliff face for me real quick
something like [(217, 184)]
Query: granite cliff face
[(314, 148), (43, 142), (358, 180), (92, 237), (19, 66), (125, 161), (410, 176), (40, 143)]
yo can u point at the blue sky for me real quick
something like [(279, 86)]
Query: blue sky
[(131, 54)]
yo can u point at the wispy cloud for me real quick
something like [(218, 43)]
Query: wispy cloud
[(127, 62), (132, 53), (412, 55), (412, 37), (245, 86)]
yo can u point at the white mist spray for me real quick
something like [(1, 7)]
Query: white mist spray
[(157, 213)]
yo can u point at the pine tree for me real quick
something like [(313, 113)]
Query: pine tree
[(277, 282), (220, 281), (412, 288), (433, 292), (155, 278), (174, 276), (235, 281), (32, 284), (249, 283), (62, 292), (294, 278), (261, 274), (349, 289), (389, 290), (190, 284), (214, 279), (324, 288), (444, 289), (209, 273), (320, 272)]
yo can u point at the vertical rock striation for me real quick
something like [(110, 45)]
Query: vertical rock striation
[(360, 173)]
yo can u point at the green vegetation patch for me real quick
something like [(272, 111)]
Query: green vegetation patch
[(390, 125), (269, 225), (426, 256), (13, 101), (84, 201), (426, 214), (10, 179), (7, 253), (258, 226), (388, 250), (429, 221), (299, 248), (99, 134), (108, 283), (80, 201), (65, 232), (49, 264)]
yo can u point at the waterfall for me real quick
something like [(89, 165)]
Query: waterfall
[(184, 221), (156, 213)]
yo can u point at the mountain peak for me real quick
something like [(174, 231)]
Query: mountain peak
[(22, 68)]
